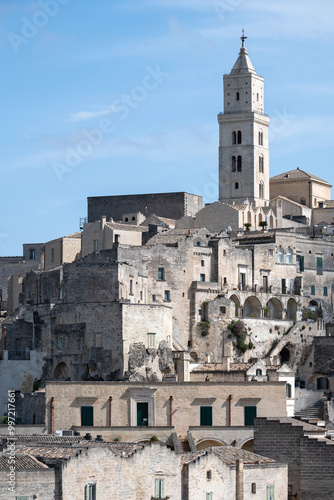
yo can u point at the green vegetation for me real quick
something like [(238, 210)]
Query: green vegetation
[(239, 330), (205, 326)]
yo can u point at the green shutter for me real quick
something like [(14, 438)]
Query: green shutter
[(301, 263), (250, 414), (312, 289), (271, 492), (319, 265), (206, 415), (87, 416), (159, 488), (325, 291)]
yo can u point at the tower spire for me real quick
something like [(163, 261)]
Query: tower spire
[(243, 38)]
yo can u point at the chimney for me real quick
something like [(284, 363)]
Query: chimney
[(103, 221), (239, 476)]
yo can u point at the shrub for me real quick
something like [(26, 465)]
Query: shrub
[(154, 438), (239, 330)]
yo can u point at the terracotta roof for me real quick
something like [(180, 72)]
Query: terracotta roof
[(295, 175), (22, 462), (173, 236), (43, 439), (125, 227), (229, 455), (235, 367)]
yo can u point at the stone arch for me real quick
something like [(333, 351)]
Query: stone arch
[(291, 310), (208, 443), (61, 371), (248, 445), (271, 222), (275, 308), (236, 301), (194, 356), (252, 307), (285, 355), (313, 304)]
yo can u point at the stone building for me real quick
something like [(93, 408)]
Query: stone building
[(309, 456), (63, 468)]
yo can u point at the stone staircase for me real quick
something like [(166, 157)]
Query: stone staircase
[(185, 447), (313, 412)]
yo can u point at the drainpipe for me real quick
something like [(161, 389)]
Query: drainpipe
[(171, 411), (310, 193), (230, 410), (51, 415), (4, 337), (239, 487), (110, 409)]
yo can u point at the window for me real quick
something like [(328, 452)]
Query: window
[(161, 273), (202, 277), (303, 201), (32, 254), (253, 488), (300, 263), (319, 265), (206, 415), (117, 236), (202, 263), (239, 137), (312, 289), (87, 416), (261, 164), (52, 255), (325, 291), (322, 383), (258, 372), (223, 310), (209, 496), (167, 295), (90, 492), (280, 255), (209, 475), (237, 96), (234, 164), (131, 287), (18, 347), (271, 492), (288, 390), (270, 253), (225, 280), (96, 245), (261, 190), (260, 138), (151, 340), (257, 97), (60, 342), (236, 185), (234, 137), (159, 489), (288, 258), (154, 298), (239, 164), (21, 498), (250, 414)]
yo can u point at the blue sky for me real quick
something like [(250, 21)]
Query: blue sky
[(135, 86)]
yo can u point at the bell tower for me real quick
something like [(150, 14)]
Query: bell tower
[(243, 136)]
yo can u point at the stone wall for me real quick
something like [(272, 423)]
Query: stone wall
[(171, 205), (188, 397), (28, 483)]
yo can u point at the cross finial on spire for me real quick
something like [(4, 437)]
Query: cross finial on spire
[(243, 38)]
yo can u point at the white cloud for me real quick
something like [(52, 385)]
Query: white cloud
[(86, 115)]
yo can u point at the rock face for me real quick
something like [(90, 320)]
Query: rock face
[(149, 364)]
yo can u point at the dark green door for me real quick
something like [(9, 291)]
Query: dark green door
[(250, 414), (87, 416), (142, 414), (206, 415)]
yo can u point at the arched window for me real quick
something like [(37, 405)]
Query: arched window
[(288, 258), (236, 185), (260, 138), (261, 190), (280, 255), (237, 96), (234, 164), (20, 298), (261, 164), (234, 137), (288, 390), (239, 166), (239, 137)]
